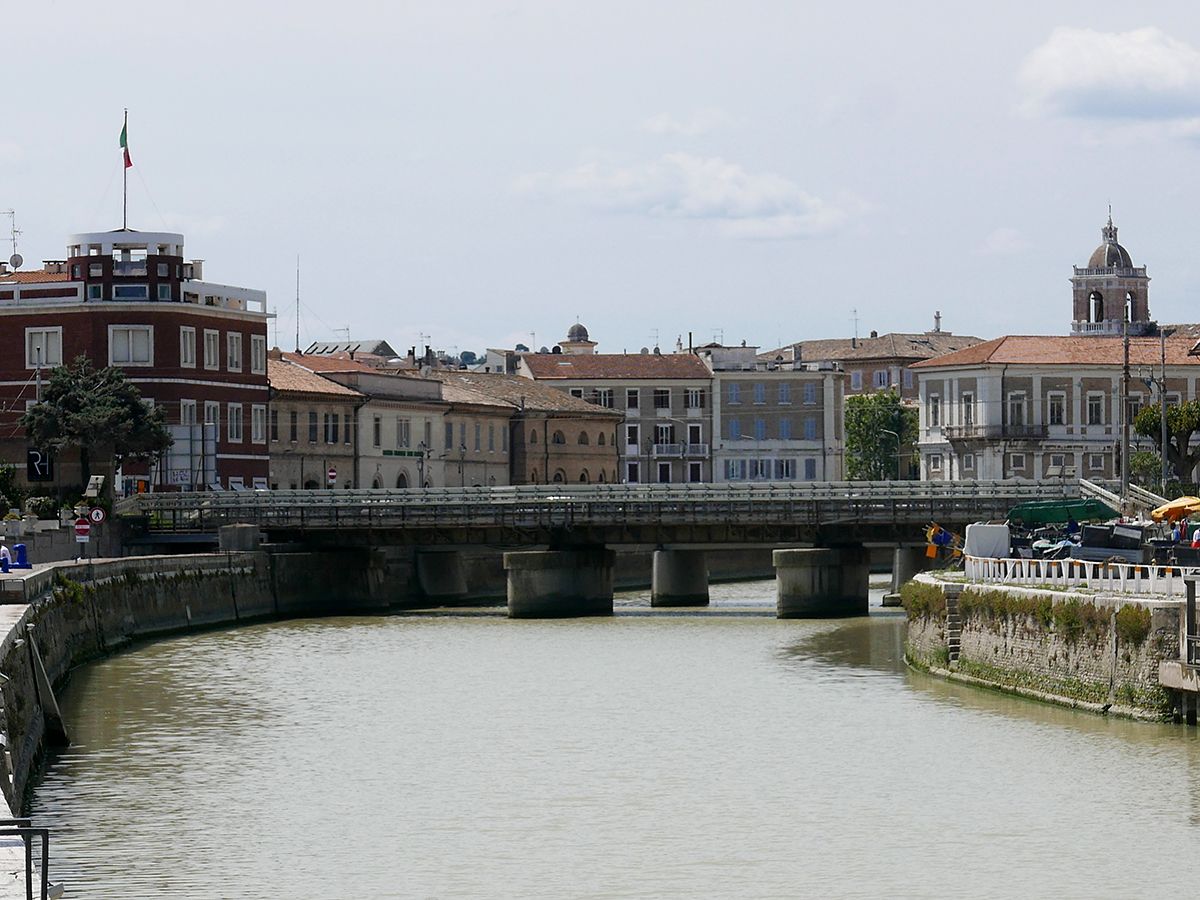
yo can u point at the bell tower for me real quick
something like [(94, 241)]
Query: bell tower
[(1108, 284)]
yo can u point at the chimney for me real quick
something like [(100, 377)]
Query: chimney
[(874, 334), (937, 322)]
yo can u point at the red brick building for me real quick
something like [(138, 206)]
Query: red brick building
[(195, 348)]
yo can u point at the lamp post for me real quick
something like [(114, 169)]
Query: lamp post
[(421, 463), (1160, 383), (894, 434), (1125, 399)]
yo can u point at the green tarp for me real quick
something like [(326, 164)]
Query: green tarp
[(1051, 512)]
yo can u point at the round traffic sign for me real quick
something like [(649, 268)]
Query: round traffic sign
[(97, 515), (331, 475), (82, 527)]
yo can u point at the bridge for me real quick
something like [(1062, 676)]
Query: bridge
[(574, 529)]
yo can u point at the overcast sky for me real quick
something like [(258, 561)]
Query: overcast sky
[(480, 171)]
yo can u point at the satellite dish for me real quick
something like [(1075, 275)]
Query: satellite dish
[(16, 260)]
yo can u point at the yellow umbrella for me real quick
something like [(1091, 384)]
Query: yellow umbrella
[(1179, 508)]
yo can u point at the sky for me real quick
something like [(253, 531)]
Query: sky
[(475, 175)]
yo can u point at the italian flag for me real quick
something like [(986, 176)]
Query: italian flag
[(125, 145)]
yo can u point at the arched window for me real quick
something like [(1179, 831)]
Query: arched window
[(401, 480), (601, 476), (559, 438), (560, 476), (600, 440), (583, 477), (376, 482), (533, 437), (583, 438), (310, 485), (1097, 306), (533, 476)]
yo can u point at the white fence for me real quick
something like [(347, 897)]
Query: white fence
[(1064, 574)]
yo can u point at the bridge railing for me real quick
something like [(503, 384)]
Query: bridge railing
[(551, 505)]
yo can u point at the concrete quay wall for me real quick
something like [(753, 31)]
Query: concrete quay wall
[(1089, 651)]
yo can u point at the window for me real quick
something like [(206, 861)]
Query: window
[(735, 393), (492, 438), (968, 408), (462, 435), (274, 425), (735, 429), (404, 434), (332, 427), (212, 349), (1058, 460), (810, 428), (785, 469), (735, 470), (164, 292), (187, 347), (577, 393), (785, 429), (1016, 461), (908, 382), (95, 291), (130, 345), (558, 438), (164, 270), (1096, 462), (760, 393), (968, 462), (293, 426), (1095, 409), (631, 398), (43, 347), (504, 439), (258, 354), (450, 436), (377, 431), (810, 469), (935, 411), (478, 442), (235, 423), (130, 292), (604, 397), (187, 412), (662, 398), (632, 438), (233, 351), (95, 270), (881, 378), (935, 462), (1016, 409), (695, 398), (856, 381), (212, 416), (1056, 408), (760, 429), (312, 427), (631, 472), (810, 394), (664, 434), (258, 424), (785, 392)]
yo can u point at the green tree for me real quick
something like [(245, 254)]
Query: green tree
[(1145, 467), (872, 454), (98, 411), (1183, 419)]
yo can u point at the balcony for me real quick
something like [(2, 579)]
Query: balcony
[(129, 268), (994, 432), (668, 451), (695, 450)]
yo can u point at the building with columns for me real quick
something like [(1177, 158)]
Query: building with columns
[(1044, 406)]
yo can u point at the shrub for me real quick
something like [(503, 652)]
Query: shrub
[(921, 600), (1133, 624), (42, 507)]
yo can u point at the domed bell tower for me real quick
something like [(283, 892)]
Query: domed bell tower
[(1106, 285)]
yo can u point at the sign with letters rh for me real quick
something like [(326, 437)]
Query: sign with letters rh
[(39, 465)]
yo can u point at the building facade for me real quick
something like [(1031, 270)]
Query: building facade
[(311, 428), (194, 348), (774, 421)]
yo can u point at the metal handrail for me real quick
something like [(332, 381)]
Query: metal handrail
[(23, 828)]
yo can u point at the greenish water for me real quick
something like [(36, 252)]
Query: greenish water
[(642, 756)]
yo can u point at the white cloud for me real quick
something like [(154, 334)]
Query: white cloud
[(702, 121), (1142, 74), (683, 186), (1004, 241)]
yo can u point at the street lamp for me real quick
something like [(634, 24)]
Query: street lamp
[(423, 450), (1160, 384), (894, 434)]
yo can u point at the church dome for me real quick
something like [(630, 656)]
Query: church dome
[(1110, 254), (577, 333)]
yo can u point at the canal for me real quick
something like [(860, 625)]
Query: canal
[(642, 756)]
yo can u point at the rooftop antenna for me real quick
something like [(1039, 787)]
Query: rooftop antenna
[(719, 335), (297, 302), (854, 319), (345, 331), (16, 260), (654, 334)]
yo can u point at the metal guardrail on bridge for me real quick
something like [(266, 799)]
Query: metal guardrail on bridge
[(817, 503)]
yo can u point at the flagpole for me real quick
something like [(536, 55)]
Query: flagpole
[(125, 179)]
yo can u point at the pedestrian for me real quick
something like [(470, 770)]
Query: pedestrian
[(1176, 534), (1072, 525)]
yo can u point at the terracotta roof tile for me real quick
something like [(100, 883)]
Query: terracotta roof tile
[(285, 376), (555, 366), (888, 346), (526, 393), (38, 276), (1067, 350), (327, 363)]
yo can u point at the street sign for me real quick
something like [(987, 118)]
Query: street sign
[(83, 528), (97, 515), (39, 465), (331, 476)]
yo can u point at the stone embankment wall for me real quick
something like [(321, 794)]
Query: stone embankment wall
[(81, 611), (1095, 652)]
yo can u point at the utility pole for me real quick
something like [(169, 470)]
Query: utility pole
[(1162, 404), (1125, 404)]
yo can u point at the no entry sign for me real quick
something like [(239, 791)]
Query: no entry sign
[(83, 529), (331, 475)]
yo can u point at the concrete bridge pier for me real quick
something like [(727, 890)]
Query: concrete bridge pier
[(821, 583), (679, 578), (441, 575), (907, 561), (551, 584)]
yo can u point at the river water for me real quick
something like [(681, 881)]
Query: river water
[(642, 756)]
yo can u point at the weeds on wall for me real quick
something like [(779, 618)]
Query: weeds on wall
[(1133, 624), (922, 601), (1073, 619)]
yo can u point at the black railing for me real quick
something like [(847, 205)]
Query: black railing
[(23, 828)]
